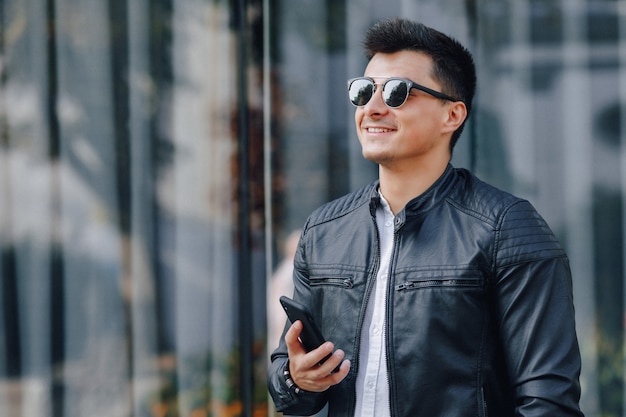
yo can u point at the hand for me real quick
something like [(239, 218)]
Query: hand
[(304, 367)]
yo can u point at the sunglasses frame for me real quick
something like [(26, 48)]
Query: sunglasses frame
[(410, 85)]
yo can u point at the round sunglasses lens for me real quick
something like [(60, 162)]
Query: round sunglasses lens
[(360, 92), (395, 93)]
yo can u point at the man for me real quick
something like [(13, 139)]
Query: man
[(443, 295)]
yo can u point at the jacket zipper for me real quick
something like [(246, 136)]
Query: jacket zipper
[(368, 293), (336, 281), (484, 403), (389, 309), (410, 285)]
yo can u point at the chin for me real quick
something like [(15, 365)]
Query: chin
[(378, 158)]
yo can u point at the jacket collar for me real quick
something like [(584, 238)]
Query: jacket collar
[(434, 195)]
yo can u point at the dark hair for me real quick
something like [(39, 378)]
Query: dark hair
[(453, 63)]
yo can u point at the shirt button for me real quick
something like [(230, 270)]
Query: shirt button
[(388, 223), (375, 330)]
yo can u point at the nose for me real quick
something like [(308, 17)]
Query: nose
[(376, 105)]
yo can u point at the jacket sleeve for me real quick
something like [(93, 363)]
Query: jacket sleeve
[(286, 399), (535, 313)]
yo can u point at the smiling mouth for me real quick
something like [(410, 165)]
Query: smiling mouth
[(378, 130)]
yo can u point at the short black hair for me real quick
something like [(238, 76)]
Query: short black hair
[(453, 64)]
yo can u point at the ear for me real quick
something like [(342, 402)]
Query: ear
[(456, 115)]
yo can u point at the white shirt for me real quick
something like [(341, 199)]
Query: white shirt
[(372, 382)]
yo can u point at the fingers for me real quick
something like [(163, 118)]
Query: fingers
[(305, 368), (291, 338), (320, 377), (298, 353)]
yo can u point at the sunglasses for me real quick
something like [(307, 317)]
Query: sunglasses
[(395, 91)]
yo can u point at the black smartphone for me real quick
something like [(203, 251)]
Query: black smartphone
[(311, 336)]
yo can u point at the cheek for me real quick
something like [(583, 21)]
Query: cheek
[(358, 118)]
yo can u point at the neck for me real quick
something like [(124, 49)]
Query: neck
[(401, 186)]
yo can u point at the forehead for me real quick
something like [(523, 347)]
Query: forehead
[(405, 64)]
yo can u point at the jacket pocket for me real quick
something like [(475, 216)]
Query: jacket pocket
[(343, 281), (440, 278)]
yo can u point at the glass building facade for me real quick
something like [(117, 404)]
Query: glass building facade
[(158, 156)]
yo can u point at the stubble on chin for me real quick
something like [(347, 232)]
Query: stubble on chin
[(378, 158)]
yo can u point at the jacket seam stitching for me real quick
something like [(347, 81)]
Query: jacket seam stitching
[(527, 261), (498, 235), (471, 212)]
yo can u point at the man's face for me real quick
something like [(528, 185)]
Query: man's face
[(412, 133)]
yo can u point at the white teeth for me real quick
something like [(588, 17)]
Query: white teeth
[(377, 130)]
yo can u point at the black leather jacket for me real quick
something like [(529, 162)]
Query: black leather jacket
[(480, 318)]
